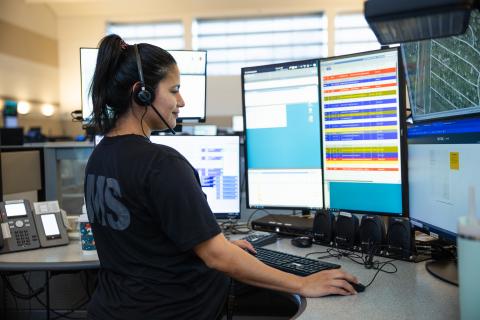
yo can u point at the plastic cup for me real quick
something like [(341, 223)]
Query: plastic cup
[(86, 235)]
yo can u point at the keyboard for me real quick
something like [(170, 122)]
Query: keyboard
[(260, 239), (292, 264)]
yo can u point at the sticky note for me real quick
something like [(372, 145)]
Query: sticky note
[(454, 161)]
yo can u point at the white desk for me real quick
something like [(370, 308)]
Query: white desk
[(411, 293), (63, 258)]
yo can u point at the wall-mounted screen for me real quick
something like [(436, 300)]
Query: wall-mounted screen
[(443, 75)]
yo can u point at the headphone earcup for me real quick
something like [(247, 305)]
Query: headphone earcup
[(144, 97)]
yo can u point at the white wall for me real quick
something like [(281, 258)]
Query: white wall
[(84, 25), (38, 18), (24, 79), (224, 96), (73, 33), (28, 78)]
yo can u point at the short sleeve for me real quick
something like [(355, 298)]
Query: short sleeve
[(180, 204)]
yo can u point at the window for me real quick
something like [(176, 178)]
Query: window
[(241, 42), (352, 34), (167, 35)]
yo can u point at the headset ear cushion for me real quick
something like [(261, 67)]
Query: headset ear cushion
[(144, 97)]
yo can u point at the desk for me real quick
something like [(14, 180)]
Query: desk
[(411, 293), (55, 259), (69, 257)]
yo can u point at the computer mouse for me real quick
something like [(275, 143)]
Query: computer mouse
[(357, 286), (302, 242)]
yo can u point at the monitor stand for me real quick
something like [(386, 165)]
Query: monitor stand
[(444, 269), (306, 213)]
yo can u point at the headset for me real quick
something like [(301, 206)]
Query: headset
[(144, 95)]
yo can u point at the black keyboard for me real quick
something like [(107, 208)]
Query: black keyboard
[(260, 239), (292, 264)]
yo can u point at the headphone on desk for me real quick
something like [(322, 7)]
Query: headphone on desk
[(143, 94)]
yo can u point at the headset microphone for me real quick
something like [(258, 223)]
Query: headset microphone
[(144, 95), (160, 116)]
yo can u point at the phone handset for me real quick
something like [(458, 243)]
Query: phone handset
[(18, 227)]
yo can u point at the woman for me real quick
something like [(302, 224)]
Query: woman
[(162, 253)]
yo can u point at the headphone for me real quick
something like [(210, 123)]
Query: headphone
[(144, 95)]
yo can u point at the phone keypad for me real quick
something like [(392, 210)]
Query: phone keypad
[(22, 237)]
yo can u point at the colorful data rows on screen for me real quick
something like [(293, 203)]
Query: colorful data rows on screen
[(361, 132), (365, 115)]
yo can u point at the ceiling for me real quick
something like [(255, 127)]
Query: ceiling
[(65, 8)]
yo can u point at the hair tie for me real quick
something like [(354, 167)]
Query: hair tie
[(123, 45)]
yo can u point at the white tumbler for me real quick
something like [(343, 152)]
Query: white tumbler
[(468, 252)]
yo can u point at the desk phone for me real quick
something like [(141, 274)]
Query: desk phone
[(50, 224), (17, 226), (23, 229)]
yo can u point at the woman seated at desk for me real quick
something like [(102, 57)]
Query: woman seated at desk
[(162, 253)]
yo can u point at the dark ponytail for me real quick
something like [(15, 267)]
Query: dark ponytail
[(115, 74)]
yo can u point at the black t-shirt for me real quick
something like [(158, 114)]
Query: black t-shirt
[(148, 211)]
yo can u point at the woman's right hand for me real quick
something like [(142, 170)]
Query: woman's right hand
[(328, 282)]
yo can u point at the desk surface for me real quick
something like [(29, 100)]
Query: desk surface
[(69, 257), (410, 293)]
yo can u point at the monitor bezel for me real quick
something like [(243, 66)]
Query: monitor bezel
[(245, 143), (200, 119), (219, 215), (403, 132)]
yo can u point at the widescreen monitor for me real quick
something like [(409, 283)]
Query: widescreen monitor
[(282, 135), (192, 66), (217, 161), (443, 74), (363, 106), (442, 167)]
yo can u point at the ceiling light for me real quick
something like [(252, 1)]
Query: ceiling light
[(23, 107), (48, 110)]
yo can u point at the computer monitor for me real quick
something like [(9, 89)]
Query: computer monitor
[(97, 140), (10, 114), (237, 123), (205, 130), (442, 74), (282, 135), (442, 166), (217, 160), (192, 66), (363, 109)]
